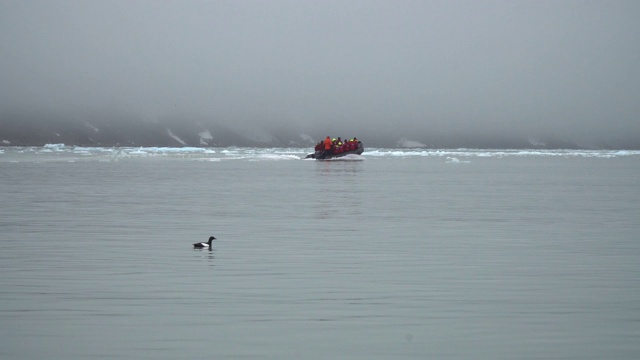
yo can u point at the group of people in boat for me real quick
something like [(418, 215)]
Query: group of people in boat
[(336, 146)]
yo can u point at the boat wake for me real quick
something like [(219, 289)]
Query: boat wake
[(349, 157)]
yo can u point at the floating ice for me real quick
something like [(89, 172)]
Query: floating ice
[(54, 147), (455, 160), (61, 152)]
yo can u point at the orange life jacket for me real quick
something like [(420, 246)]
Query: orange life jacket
[(327, 143)]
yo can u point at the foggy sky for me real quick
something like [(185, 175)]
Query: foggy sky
[(454, 68)]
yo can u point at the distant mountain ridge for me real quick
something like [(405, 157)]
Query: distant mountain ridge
[(23, 130)]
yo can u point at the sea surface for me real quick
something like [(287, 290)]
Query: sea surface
[(395, 254)]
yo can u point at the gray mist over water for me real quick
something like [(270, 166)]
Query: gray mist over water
[(436, 72)]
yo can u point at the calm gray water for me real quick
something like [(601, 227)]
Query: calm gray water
[(405, 255)]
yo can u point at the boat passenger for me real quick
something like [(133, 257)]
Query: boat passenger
[(327, 146)]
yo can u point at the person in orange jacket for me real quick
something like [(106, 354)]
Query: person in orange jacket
[(327, 146), (327, 143)]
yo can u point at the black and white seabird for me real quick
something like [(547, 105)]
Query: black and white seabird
[(204, 245)]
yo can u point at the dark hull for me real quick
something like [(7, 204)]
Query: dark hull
[(322, 155)]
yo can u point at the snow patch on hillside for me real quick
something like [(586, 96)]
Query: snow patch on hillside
[(174, 137), (95, 129), (536, 143), (406, 143), (307, 138), (204, 136)]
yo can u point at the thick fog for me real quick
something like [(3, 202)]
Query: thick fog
[(420, 70)]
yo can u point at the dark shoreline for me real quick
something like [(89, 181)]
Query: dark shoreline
[(20, 130)]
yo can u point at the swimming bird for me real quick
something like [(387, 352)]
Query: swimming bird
[(203, 245)]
